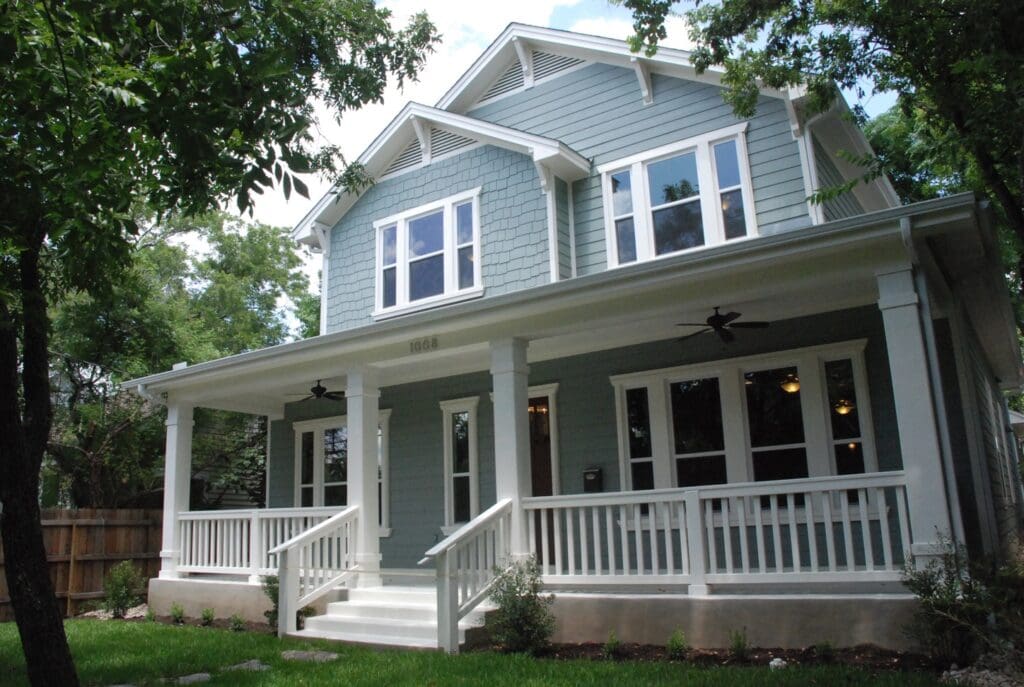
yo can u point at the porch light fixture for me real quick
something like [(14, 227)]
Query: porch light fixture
[(843, 407), (791, 384)]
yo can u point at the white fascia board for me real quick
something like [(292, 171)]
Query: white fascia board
[(821, 239)]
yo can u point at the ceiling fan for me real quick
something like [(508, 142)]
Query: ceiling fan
[(320, 391), (721, 324)]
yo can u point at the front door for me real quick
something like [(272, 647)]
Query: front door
[(540, 466)]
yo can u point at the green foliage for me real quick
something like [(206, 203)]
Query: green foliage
[(523, 622), (612, 647), (739, 646), (272, 589), (825, 651), (206, 617), (676, 648), (236, 623), (150, 616), (177, 613), (122, 588)]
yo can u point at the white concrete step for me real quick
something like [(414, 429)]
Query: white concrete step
[(394, 594), (361, 638)]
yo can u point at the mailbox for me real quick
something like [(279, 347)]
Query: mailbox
[(593, 481)]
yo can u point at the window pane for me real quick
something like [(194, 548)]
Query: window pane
[(336, 455), (388, 245), (673, 179), (335, 495), (625, 238), (692, 472), (677, 228), (788, 463), (460, 442), (426, 277), (774, 413), (638, 423), (306, 496), (461, 495), (622, 194), (390, 290), (307, 458), (727, 164), (466, 267), (697, 416), (464, 223), (849, 458), (643, 475), (733, 215), (426, 234), (842, 399)]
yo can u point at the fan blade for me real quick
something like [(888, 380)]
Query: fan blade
[(725, 335), (749, 325), (691, 324), (334, 395), (729, 317), (690, 336), (306, 398)]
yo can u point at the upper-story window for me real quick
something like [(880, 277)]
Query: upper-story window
[(678, 197), (429, 255)]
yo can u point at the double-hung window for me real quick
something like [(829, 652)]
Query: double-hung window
[(679, 197), (461, 463), (429, 255)]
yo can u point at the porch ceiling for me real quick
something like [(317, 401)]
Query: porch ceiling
[(826, 268)]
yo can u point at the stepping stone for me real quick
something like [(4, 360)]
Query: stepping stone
[(309, 656), (252, 665), (193, 679)]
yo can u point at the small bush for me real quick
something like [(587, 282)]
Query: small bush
[(271, 587), (206, 618), (122, 588), (739, 647), (825, 651), (676, 648), (150, 616), (177, 613), (523, 622), (612, 646), (236, 623)]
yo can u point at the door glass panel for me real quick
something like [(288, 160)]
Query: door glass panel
[(336, 455), (307, 458), (774, 412), (693, 472), (642, 473), (307, 497), (638, 419), (849, 458), (842, 399), (335, 495), (697, 416), (787, 463)]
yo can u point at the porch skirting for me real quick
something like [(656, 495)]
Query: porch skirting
[(226, 598), (770, 621)]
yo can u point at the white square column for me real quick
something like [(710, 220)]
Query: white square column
[(510, 378), (177, 482), (920, 443), (362, 396)]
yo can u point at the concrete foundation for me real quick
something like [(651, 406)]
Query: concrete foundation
[(788, 622), (226, 598)]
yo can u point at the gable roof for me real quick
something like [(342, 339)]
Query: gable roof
[(417, 122)]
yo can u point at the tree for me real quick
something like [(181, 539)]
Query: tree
[(957, 66), (181, 103)]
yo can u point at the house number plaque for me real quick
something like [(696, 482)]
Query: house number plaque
[(427, 343)]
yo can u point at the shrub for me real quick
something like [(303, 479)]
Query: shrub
[(177, 613), (677, 647), (236, 623), (206, 618), (271, 587), (739, 647), (122, 588), (150, 616), (523, 621), (825, 651), (612, 646)]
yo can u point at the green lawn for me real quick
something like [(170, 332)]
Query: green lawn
[(115, 652)]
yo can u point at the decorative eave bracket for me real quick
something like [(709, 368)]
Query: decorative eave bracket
[(643, 75)]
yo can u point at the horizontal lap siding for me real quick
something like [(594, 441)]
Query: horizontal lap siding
[(598, 111), (513, 219), (845, 205)]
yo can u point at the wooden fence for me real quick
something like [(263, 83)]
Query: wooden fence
[(82, 545)]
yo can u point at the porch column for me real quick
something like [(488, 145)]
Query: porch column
[(177, 482), (362, 396), (510, 378), (915, 412)]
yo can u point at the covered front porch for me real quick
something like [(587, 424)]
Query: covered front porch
[(568, 422)]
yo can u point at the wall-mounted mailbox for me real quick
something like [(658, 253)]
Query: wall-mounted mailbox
[(593, 480)]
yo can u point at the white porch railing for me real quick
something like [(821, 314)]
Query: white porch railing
[(240, 541), (840, 529), (313, 563), (465, 568)]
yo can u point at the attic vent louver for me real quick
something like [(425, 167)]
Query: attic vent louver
[(410, 157), (442, 142), (510, 80), (545, 64)]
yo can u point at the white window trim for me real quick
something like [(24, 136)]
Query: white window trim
[(810, 362), (451, 293), (448, 408), (714, 229), (317, 426)]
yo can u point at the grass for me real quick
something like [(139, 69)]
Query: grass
[(113, 652)]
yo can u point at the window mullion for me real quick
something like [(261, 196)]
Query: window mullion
[(448, 246), (710, 203), (734, 426), (815, 409), (402, 264), (661, 441), (642, 224)]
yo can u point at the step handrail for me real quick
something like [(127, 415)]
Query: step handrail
[(466, 531), (314, 531)]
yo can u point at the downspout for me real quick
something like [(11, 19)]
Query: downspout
[(937, 396)]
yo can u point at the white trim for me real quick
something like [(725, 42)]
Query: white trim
[(643, 76), (572, 228), (551, 192), (524, 52), (669, 148), (384, 453), (423, 136), (266, 468), (550, 391), (468, 405)]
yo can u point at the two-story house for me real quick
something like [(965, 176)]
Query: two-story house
[(586, 313)]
